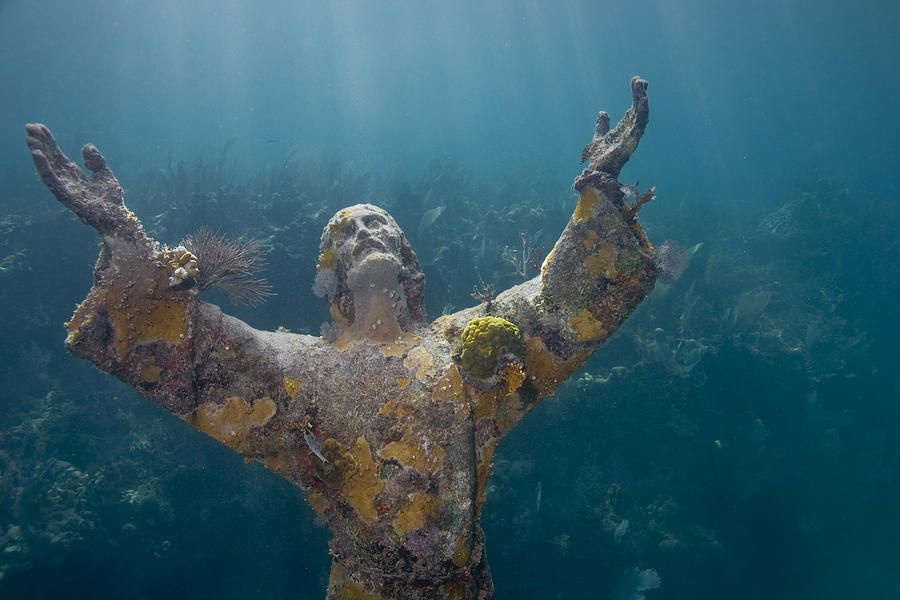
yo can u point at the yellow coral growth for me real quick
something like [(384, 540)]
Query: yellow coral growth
[(409, 453), (501, 402), (463, 548), (291, 387), (279, 463), (547, 262), (339, 319), (318, 502), (398, 347), (363, 485), (338, 223), (602, 262), (137, 300), (588, 201), (146, 320), (328, 260), (415, 513), (514, 377), (485, 403), (141, 308), (450, 388), (420, 360), (231, 422), (178, 258), (545, 370), (455, 590), (484, 339), (343, 463), (341, 587), (586, 327), (399, 407)]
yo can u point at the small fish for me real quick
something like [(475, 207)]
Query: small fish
[(621, 530), (314, 446), (429, 218), (537, 501)]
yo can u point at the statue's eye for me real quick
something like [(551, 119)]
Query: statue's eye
[(374, 221), (350, 228)]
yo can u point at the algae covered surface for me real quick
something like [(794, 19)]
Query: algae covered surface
[(736, 436)]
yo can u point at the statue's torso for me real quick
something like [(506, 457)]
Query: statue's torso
[(384, 443)]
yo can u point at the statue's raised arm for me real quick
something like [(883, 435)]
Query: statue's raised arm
[(598, 272), (143, 320)]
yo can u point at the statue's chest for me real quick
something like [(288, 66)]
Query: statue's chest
[(396, 437), (400, 466)]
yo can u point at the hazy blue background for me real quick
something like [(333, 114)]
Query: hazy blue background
[(776, 467), (744, 94)]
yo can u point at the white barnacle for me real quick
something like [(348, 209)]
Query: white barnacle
[(179, 276)]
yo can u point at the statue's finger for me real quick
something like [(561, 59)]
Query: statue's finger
[(638, 89), (48, 176), (110, 189), (601, 127), (38, 134), (98, 200), (40, 138), (58, 187), (93, 160)]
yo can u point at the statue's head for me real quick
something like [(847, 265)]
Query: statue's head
[(370, 275)]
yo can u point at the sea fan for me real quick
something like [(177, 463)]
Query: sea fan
[(230, 265)]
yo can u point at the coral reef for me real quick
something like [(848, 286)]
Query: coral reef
[(484, 341)]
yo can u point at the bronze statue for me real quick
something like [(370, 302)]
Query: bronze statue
[(388, 423)]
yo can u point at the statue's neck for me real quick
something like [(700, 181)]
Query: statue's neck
[(375, 320)]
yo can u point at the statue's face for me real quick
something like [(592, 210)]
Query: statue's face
[(363, 230), (364, 252)]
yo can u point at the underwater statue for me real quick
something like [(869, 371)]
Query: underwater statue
[(389, 422)]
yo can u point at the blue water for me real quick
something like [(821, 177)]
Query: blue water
[(748, 431)]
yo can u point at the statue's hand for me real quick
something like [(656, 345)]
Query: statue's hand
[(610, 149), (141, 293), (97, 198)]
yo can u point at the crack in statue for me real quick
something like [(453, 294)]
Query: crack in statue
[(388, 423)]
